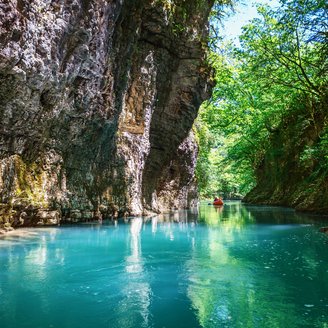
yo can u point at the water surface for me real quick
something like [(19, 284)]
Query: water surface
[(236, 266)]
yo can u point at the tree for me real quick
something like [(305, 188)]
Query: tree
[(278, 71)]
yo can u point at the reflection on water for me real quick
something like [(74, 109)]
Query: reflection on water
[(260, 260), (230, 266), (134, 262), (136, 289)]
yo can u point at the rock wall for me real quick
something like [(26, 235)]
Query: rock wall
[(97, 99)]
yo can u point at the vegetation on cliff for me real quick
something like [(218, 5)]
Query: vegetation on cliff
[(266, 123)]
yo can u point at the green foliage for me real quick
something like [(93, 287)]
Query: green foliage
[(278, 72), (181, 13), (282, 49), (316, 153)]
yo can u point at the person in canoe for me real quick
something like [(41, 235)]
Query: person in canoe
[(218, 201)]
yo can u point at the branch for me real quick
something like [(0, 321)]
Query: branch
[(300, 63)]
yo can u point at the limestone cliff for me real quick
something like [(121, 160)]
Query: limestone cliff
[(97, 99)]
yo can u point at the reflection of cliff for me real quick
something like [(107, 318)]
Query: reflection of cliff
[(30, 262), (97, 99), (134, 264), (136, 291)]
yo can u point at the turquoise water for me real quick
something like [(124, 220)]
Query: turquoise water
[(233, 267)]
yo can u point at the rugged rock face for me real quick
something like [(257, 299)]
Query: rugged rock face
[(294, 170), (97, 99)]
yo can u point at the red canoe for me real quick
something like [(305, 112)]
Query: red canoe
[(218, 202)]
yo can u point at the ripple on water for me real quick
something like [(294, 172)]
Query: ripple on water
[(236, 272)]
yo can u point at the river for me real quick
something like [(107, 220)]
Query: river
[(234, 266)]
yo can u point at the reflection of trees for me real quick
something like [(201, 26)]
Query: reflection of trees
[(277, 215), (244, 214), (232, 214), (229, 290)]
